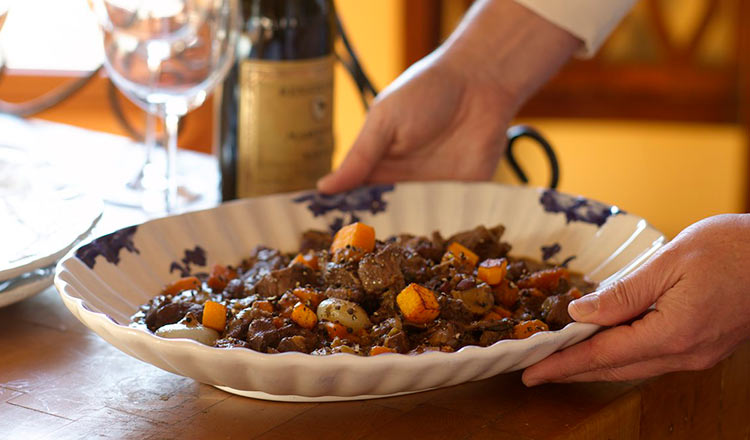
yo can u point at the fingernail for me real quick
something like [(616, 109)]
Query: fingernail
[(585, 305), (322, 182)]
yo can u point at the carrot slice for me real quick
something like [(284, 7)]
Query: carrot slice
[(181, 285), (309, 260), (547, 279), (528, 328), (220, 277), (505, 294), (356, 235), (310, 297), (497, 313), (214, 315), (379, 349), (336, 330)]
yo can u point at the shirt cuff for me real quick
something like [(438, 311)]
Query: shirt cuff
[(590, 20)]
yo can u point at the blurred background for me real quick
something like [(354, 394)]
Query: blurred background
[(656, 123)]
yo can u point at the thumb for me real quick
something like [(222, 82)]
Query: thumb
[(367, 150), (622, 300)]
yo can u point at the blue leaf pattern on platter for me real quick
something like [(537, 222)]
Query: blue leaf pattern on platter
[(550, 251), (578, 208), (567, 261), (196, 256), (108, 246), (363, 199)]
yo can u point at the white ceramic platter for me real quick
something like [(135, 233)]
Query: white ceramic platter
[(105, 281), (25, 286), (41, 219)]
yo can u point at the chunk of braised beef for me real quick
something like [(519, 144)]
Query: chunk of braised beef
[(482, 242), (516, 270), (563, 286), (262, 335), (238, 325), (426, 248), (313, 240), (453, 309), (555, 310), (487, 332), (415, 268), (498, 231), (297, 339), (263, 259), (286, 304), (281, 280), (382, 329), (439, 274), (380, 271), (231, 343), (165, 312), (443, 333), (529, 304), (398, 341), (348, 294), (294, 343), (235, 289), (341, 275), (489, 337), (476, 298), (387, 308)]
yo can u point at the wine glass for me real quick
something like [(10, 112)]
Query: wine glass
[(167, 56)]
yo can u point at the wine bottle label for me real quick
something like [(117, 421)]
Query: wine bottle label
[(285, 125)]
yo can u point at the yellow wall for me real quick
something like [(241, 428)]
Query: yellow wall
[(376, 32), (673, 174)]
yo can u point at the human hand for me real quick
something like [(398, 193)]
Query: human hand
[(699, 285), (446, 116), (436, 121)]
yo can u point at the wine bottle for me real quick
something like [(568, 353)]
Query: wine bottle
[(275, 116)]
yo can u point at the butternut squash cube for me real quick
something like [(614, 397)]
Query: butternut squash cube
[(214, 315), (493, 271), (418, 304), (461, 254), (356, 235)]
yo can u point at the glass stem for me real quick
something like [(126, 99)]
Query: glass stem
[(171, 124), (149, 137)]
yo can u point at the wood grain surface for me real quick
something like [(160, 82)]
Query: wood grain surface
[(60, 381)]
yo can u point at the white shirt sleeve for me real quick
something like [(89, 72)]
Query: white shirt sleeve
[(590, 20)]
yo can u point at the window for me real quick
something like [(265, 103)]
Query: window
[(51, 35)]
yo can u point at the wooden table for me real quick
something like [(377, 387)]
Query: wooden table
[(58, 380)]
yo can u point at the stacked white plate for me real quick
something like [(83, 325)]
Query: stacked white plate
[(41, 218)]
